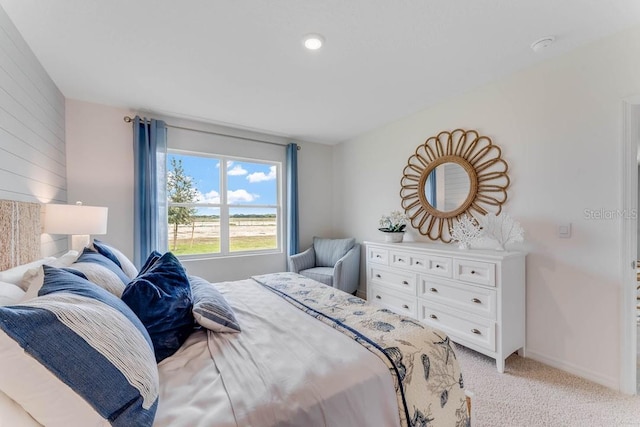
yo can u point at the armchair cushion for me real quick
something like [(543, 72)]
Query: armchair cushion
[(321, 274), (329, 251)]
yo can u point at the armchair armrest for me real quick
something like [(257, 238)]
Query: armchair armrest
[(302, 261), (346, 273)]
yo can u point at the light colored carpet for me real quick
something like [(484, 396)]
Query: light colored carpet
[(530, 393)]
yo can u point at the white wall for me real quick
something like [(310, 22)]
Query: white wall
[(100, 172), (559, 125), (100, 166), (32, 134)]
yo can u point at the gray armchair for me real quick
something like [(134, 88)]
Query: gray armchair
[(334, 262)]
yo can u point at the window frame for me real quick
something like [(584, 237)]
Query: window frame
[(224, 207)]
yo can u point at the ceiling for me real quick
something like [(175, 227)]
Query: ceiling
[(241, 62)]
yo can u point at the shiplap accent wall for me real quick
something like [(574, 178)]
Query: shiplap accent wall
[(32, 129)]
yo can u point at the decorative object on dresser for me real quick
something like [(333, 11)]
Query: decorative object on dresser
[(476, 297), (466, 231), (393, 226), (451, 174), (502, 228)]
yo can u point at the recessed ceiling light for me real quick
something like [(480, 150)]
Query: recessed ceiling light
[(543, 43), (313, 41)]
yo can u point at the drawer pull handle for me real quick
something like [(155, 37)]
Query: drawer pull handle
[(475, 331), (437, 265), (433, 290), (473, 272), (400, 260), (378, 297), (405, 306), (404, 282), (433, 316), (378, 276), (418, 263), (476, 300), (378, 256)]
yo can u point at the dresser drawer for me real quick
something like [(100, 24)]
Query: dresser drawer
[(399, 303), (438, 266), (460, 326), (482, 273), (378, 255), (416, 262), (394, 279), (468, 298)]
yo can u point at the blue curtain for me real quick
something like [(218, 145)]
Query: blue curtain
[(150, 188), (431, 188), (292, 199)]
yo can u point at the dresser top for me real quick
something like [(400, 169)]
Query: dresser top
[(448, 250)]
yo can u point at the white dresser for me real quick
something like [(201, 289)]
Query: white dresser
[(477, 297)]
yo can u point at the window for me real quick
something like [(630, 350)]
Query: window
[(222, 205)]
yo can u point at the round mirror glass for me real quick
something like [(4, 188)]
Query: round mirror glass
[(447, 187)]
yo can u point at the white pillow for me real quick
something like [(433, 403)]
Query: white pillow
[(14, 275), (32, 279), (65, 260), (10, 294)]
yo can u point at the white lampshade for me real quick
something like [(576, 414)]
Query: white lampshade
[(77, 220)]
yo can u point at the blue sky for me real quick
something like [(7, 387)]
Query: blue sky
[(249, 183)]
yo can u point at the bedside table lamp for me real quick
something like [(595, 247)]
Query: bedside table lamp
[(77, 220)]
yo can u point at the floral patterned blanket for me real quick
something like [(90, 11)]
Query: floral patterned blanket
[(421, 360)]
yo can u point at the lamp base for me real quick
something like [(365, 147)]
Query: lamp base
[(79, 241)]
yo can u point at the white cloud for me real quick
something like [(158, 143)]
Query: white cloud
[(261, 176), (237, 170), (211, 197), (240, 196)]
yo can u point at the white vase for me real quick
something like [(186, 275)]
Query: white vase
[(393, 236)]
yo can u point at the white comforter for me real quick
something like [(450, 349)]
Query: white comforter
[(284, 369)]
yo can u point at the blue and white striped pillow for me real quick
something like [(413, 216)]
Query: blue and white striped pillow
[(210, 308), (77, 355)]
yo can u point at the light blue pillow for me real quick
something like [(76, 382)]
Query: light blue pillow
[(161, 298), (117, 257), (91, 256), (210, 308), (90, 343)]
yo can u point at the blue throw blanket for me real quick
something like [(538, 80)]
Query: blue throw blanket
[(422, 360)]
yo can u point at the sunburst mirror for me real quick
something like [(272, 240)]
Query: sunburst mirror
[(450, 175)]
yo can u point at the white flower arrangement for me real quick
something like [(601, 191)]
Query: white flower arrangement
[(502, 228), (465, 231), (393, 223)]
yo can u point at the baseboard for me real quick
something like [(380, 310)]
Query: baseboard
[(610, 382)]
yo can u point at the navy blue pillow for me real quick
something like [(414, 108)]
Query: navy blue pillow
[(92, 256), (161, 298), (151, 259)]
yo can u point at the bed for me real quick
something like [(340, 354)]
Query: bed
[(306, 355)]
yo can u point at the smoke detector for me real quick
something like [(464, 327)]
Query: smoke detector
[(543, 43)]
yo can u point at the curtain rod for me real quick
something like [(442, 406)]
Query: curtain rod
[(128, 119)]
